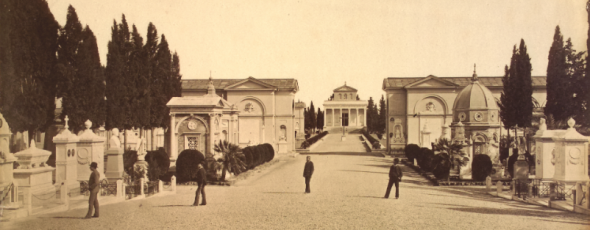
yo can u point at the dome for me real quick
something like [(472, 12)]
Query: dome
[(475, 96)]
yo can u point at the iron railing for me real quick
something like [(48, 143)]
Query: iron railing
[(132, 190), (84, 188), (151, 188), (107, 188)]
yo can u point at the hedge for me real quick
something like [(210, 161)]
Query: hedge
[(374, 142), (481, 167), (270, 151), (129, 159), (186, 165), (412, 151), (158, 163), (313, 140)]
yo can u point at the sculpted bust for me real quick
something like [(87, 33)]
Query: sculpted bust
[(114, 143)]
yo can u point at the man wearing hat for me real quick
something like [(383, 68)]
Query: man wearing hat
[(201, 182), (395, 176), (93, 187)]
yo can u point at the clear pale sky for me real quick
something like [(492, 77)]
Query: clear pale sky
[(323, 43)]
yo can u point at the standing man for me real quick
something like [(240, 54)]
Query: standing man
[(395, 176), (93, 187), (307, 172), (201, 182)]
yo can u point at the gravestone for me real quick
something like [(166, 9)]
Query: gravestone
[(114, 154), (66, 159), (90, 149), (34, 176), (571, 156)]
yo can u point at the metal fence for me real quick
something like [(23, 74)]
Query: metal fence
[(132, 190), (151, 188), (108, 188)]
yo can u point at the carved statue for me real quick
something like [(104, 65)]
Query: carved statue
[(430, 107), (114, 142)]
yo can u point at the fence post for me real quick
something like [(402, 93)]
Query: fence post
[(488, 183), (141, 182), (173, 183), (499, 188), (120, 189), (160, 186), (64, 194), (587, 195), (579, 194)]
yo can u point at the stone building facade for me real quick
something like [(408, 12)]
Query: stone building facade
[(344, 109), (242, 111), (414, 104)]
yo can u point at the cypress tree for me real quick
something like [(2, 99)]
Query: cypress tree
[(80, 83), (382, 115), (139, 115), (370, 117), (28, 45), (505, 104), (523, 82), (558, 103), (585, 83), (312, 117), (320, 119), (116, 76), (575, 68)]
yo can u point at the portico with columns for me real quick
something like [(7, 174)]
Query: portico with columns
[(344, 109)]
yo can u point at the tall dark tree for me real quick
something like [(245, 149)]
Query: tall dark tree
[(312, 116), (28, 45), (138, 69), (358, 98), (117, 94), (585, 115), (320, 120), (306, 125), (370, 117), (558, 94), (516, 102), (382, 115), (578, 87), (523, 82), (80, 81)]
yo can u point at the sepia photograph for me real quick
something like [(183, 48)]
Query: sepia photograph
[(295, 114)]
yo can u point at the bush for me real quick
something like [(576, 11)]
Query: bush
[(158, 163), (412, 150), (504, 147), (270, 150), (371, 139), (247, 157), (129, 159), (313, 140), (481, 167), (441, 166), (425, 160), (512, 159), (186, 165), (379, 136)]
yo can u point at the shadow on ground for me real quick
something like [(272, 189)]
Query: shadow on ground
[(344, 154)]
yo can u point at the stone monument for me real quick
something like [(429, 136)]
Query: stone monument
[(571, 155), (114, 154), (66, 159), (33, 176), (90, 149)]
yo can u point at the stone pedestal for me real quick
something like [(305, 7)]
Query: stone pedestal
[(283, 147), (115, 168), (90, 149), (299, 139), (66, 160), (544, 145), (571, 156), (34, 177)]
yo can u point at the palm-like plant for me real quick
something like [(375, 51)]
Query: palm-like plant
[(455, 156), (231, 158)]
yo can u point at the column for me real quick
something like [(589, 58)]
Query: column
[(173, 141), (333, 115), (324, 118), (357, 117), (365, 117), (211, 134)]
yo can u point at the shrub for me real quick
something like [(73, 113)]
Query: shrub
[(158, 163), (313, 140), (371, 139), (270, 150), (481, 167), (441, 166), (425, 159), (247, 157), (504, 147), (512, 159), (186, 165), (412, 150), (379, 136), (129, 159)]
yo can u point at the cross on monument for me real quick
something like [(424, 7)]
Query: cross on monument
[(66, 119)]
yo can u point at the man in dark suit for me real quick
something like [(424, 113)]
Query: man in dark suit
[(93, 187), (395, 176), (201, 182), (307, 172)]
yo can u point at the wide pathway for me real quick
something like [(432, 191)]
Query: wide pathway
[(333, 143), (347, 193)]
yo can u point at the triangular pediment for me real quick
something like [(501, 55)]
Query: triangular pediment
[(250, 84), (345, 88), (431, 81)]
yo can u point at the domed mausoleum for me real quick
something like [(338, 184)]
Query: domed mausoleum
[(476, 124)]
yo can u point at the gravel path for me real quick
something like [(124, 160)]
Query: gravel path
[(347, 193), (333, 143)]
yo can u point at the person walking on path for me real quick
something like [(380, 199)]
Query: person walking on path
[(93, 187), (395, 176), (201, 182), (307, 172)]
